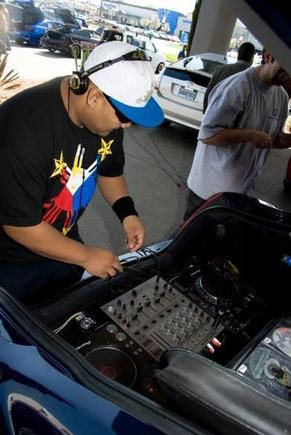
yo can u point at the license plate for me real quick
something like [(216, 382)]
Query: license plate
[(187, 94)]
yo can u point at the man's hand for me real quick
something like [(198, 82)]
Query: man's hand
[(101, 262), (260, 139), (134, 231)]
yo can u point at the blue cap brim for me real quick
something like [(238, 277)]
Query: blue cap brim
[(151, 115)]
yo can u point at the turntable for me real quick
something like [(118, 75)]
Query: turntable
[(216, 288), (114, 363)]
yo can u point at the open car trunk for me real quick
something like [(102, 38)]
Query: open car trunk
[(194, 336)]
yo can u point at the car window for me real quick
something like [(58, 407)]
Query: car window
[(84, 33), (150, 46), (94, 36), (130, 39), (138, 43)]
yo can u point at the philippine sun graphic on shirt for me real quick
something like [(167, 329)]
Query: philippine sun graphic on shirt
[(79, 185)]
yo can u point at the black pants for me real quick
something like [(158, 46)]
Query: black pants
[(37, 281), (193, 202)]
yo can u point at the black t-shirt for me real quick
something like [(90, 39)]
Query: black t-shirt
[(48, 166)]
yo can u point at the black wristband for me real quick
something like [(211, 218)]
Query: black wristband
[(124, 207)]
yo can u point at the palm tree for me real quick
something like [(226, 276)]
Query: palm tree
[(7, 79)]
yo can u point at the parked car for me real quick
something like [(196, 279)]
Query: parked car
[(66, 37), (33, 34), (181, 87), (158, 60)]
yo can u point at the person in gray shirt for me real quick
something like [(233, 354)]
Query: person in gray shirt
[(243, 121), (245, 57)]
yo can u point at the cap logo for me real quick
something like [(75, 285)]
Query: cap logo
[(147, 96)]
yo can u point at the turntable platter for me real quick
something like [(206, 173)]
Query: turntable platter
[(214, 288), (114, 363)]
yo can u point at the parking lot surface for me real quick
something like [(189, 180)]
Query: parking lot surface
[(157, 165)]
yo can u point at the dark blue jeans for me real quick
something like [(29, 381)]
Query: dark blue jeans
[(39, 280)]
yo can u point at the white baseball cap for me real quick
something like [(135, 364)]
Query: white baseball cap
[(127, 78)]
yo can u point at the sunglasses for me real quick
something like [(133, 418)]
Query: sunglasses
[(136, 55), (121, 117)]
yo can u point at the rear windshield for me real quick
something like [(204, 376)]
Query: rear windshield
[(199, 64), (190, 76)]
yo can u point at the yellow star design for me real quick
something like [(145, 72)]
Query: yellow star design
[(59, 165), (105, 148), (67, 229)]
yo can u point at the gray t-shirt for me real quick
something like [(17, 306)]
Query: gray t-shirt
[(240, 101)]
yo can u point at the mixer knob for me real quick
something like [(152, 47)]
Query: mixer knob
[(134, 316), (139, 307), (119, 302), (112, 329), (132, 302), (147, 302), (124, 307), (165, 285), (157, 300), (134, 293), (120, 336), (119, 316)]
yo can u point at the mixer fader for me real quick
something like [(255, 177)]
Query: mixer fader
[(158, 317)]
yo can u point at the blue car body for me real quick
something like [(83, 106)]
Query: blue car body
[(32, 34)]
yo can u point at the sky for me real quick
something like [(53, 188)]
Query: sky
[(183, 6)]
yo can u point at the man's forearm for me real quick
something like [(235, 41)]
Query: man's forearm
[(229, 136), (112, 188), (283, 140), (45, 240)]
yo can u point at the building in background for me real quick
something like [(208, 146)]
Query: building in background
[(169, 21)]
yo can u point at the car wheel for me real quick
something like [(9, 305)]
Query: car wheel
[(75, 50), (52, 50), (160, 68)]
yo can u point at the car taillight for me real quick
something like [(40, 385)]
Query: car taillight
[(288, 172)]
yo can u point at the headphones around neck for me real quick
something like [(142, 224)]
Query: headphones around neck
[(79, 81)]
